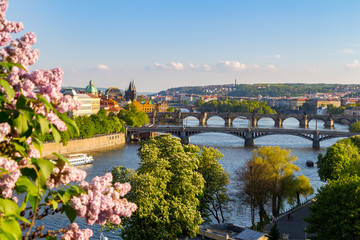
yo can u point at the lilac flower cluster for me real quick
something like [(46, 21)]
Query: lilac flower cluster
[(63, 174), (8, 180), (73, 232), (102, 202), (5, 129)]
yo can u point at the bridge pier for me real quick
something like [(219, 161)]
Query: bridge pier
[(228, 122), (304, 123), (329, 124), (316, 141), (279, 123), (184, 139), (249, 139), (202, 120), (254, 122)]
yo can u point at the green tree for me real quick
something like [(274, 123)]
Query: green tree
[(355, 127), (253, 188), (214, 199), (166, 188), (133, 117), (274, 233), (336, 212), (280, 164), (340, 159)]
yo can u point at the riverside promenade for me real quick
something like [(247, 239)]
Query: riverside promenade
[(293, 226)]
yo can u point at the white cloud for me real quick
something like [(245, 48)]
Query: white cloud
[(354, 66), (231, 65), (170, 66), (278, 56), (205, 67), (102, 67), (347, 51)]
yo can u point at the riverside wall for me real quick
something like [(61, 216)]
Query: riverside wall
[(83, 145)]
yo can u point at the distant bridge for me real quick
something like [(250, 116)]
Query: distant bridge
[(178, 118), (248, 134)]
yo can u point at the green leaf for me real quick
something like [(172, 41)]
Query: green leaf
[(19, 148), (50, 238), (62, 158), (8, 89), (65, 198), (70, 213), (47, 105), (44, 124), (9, 207), (77, 190), (21, 124), (70, 122), (56, 134), (10, 228), (24, 184), (32, 201), (54, 203), (45, 169)]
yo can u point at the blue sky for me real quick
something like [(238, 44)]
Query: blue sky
[(163, 44)]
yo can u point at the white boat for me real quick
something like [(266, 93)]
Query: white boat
[(80, 159)]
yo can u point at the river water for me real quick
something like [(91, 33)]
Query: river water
[(235, 154)]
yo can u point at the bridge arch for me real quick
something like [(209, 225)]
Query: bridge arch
[(191, 121), (215, 120), (241, 121), (291, 122), (266, 121)]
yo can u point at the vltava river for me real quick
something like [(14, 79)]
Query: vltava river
[(235, 154)]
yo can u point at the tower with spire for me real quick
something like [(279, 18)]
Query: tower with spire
[(130, 94)]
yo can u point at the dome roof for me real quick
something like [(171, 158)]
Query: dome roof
[(91, 88)]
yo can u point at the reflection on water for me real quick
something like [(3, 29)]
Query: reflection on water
[(235, 154)]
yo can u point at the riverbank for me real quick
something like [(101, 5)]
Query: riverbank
[(84, 145)]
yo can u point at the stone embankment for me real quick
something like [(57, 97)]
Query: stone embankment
[(98, 142)]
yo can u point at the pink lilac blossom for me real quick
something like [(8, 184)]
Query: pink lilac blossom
[(63, 174), (5, 129), (55, 120), (33, 153), (74, 233), (102, 202), (8, 180)]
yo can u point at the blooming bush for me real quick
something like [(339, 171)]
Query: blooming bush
[(30, 107)]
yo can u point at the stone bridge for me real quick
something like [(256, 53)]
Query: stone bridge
[(178, 118), (248, 134)]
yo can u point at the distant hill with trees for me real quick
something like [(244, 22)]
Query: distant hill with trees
[(265, 90)]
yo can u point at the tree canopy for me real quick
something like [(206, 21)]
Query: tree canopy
[(340, 159), (268, 177), (132, 116), (245, 106), (336, 212), (176, 187)]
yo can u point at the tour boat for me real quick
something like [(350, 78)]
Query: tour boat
[(80, 159), (309, 163)]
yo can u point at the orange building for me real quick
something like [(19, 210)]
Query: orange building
[(145, 106), (110, 105)]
